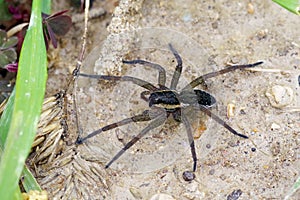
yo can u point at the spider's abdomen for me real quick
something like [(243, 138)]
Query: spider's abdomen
[(194, 97), (165, 98)]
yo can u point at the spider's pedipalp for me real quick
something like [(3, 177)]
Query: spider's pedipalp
[(143, 95)]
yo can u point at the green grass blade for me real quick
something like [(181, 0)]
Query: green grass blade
[(291, 5), (30, 88), (28, 181), (5, 120), (46, 7)]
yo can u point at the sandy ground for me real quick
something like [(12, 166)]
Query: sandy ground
[(208, 35)]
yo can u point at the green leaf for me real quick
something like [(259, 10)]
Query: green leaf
[(7, 56), (291, 5), (10, 42), (2, 37), (29, 95)]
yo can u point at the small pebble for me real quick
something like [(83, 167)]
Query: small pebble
[(161, 196), (230, 110), (214, 25), (235, 195), (188, 176), (120, 135), (262, 34), (250, 8), (274, 126), (253, 149), (211, 172), (280, 96), (136, 193), (242, 112)]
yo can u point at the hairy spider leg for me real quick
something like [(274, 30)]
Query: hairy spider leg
[(145, 116), (134, 80), (220, 121), (159, 120), (162, 71), (190, 138), (201, 79), (178, 68)]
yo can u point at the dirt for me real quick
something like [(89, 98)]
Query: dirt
[(209, 36)]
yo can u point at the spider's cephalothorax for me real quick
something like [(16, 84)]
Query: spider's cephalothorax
[(167, 101)]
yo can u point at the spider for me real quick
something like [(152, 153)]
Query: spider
[(166, 101)]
